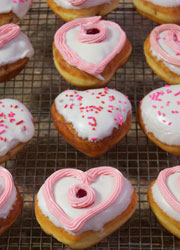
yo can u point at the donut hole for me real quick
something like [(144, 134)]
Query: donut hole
[(81, 193), (92, 31)]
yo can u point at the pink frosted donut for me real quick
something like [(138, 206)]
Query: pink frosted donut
[(162, 51), (88, 51), (15, 51), (10, 200), (163, 196), (104, 200)]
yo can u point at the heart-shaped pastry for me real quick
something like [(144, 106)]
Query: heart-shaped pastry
[(11, 11), (15, 51), (88, 51), (93, 120), (10, 200), (164, 199), (73, 9), (86, 204), (159, 117), (162, 51), (16, 128)]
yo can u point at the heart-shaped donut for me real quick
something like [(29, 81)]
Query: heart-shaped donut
[(87, 178), (93, 120), (81, 208), (87, 56)]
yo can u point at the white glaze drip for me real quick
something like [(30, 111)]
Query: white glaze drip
[(89, 3)]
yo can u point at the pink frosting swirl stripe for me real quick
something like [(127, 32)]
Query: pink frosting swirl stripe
[(162, 185), (8, 188), (173, 32), (8, 32), (86, 178), (72, 58), (77, 2)]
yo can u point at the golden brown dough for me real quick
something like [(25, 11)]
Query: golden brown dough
[(88, 238), (13, 215), (173, 149), (71, 14), (158, 66), (170, 224), (84, 80), (92, 149), (156, 13), (8, 18)]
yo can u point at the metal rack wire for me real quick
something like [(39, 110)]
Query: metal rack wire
[(138, 158)]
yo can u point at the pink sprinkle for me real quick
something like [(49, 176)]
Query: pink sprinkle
[(141, 101), (178, 102), (154, 106), (120, 118), (178, 93), (164, 121), (166, 85), (94, 138), (157, 38), (177, 54), (2, 131), (159, 112), (169, 123)]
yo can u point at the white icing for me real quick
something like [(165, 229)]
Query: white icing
[(165, 3), (4, 211), (89, 3), (158, 124), (93, 52), (14, 134), (105, 121), (174, 187), (103, 187), (18, 7), (169, 50), (16, 49)]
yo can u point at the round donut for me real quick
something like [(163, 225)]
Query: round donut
[(88, 51)]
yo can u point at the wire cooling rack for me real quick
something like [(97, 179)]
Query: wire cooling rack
[(137, 157)]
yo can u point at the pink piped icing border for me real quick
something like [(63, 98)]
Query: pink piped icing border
[(172, 39), (72, 58), (9, 184), (162, 185), (8, 32), (86, 178), (77, 2)]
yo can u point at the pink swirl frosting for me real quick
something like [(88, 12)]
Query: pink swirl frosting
[(86, 179), (85, 37), (162, 185), (72, 58), (81, 195), (8, 32), (8, 188), (172, 39), (77, 2)]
